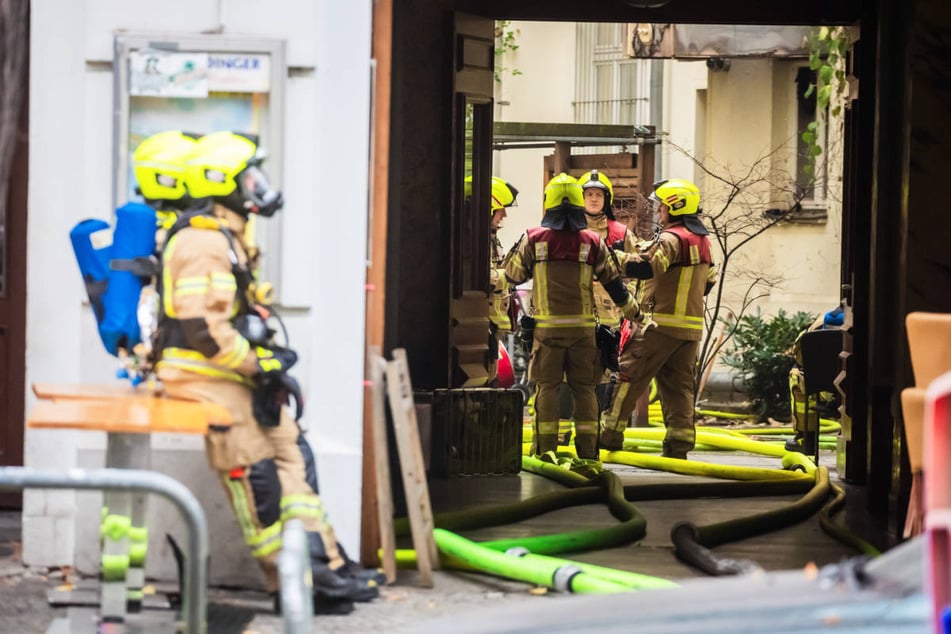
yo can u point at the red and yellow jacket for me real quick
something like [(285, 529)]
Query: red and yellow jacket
[(564, 264), (682, 268)]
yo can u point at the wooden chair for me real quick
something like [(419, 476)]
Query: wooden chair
[(913, 414), (929, 344), (937, 498), (128, 416)]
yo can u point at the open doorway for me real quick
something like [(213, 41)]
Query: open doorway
[(735, 109)]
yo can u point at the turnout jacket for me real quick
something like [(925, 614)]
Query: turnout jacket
[(200, 298), (499, 309), (612, 232), (564, 264), (682, 267)]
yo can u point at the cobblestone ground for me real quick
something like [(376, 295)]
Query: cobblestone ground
[(24, 608), (401, 607)]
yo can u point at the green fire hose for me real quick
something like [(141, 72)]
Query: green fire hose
[(557, 574)]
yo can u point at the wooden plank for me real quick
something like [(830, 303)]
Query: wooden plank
[(382, 54), (137, 415), (626, 183), (413, 467), (53, 391), (606, 162), (381, 456), (614, 173)]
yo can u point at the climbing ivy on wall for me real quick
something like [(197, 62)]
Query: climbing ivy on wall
[(506, 41), (828, 51)]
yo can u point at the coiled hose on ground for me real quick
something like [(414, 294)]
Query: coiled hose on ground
[(527, 559)]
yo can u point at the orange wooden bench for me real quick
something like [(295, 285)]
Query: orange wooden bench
[(117, 409), (128, 416)]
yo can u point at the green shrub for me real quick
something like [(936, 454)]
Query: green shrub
[(762, 353)]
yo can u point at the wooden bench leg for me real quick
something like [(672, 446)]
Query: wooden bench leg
[(124, 533), (141, 458)]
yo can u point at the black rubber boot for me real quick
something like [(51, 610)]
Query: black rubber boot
[(336, 584), (322, 605), (670, 452), (355, 570), (325, 605), (587, 446), (611, 440)]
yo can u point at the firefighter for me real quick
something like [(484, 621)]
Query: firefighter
[(680, 271), (500, 326), (564, 258), (821, 403), (214, 346), (598, 200), (159, 167), (598, 211)]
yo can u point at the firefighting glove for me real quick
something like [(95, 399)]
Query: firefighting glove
[(639, 269), (275, 359), (631, 310), (274, 390)]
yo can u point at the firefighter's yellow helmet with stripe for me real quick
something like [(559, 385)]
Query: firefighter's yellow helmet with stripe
[(159, 165), (563, 190)]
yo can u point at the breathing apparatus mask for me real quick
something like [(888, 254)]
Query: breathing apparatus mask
[(257, 194)]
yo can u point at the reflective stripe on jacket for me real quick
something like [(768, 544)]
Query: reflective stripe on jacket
[(199, 302), (563, 264), (606, 310), (500, 301), (681, 263)]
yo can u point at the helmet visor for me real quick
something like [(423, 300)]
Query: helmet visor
[(256, 189)]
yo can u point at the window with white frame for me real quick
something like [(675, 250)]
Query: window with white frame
[(611, 87)]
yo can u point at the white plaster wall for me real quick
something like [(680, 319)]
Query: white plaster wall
[(322, 277), (750, 114), (543, 92), (681, 83)]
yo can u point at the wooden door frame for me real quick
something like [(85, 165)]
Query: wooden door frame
[(13, 305)]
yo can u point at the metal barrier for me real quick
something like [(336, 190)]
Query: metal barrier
[(297, 592), (194, 594)]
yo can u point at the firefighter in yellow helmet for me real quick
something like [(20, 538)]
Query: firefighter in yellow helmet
[(598, 211), (504, 195), (680, 272), (159, 168), (215, 345), (559, 254)]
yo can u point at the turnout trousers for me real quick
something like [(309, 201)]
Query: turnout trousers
[(671, 361), (267, 472), (573, 359)]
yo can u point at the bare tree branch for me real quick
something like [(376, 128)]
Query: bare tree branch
[(746, 207)]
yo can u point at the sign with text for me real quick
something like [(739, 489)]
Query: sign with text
[(239, 72), (154, 73)]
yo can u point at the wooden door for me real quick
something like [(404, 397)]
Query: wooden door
[(13, 291), (473, 84)]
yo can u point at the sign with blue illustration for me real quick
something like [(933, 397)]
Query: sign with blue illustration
[(155, 73)]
